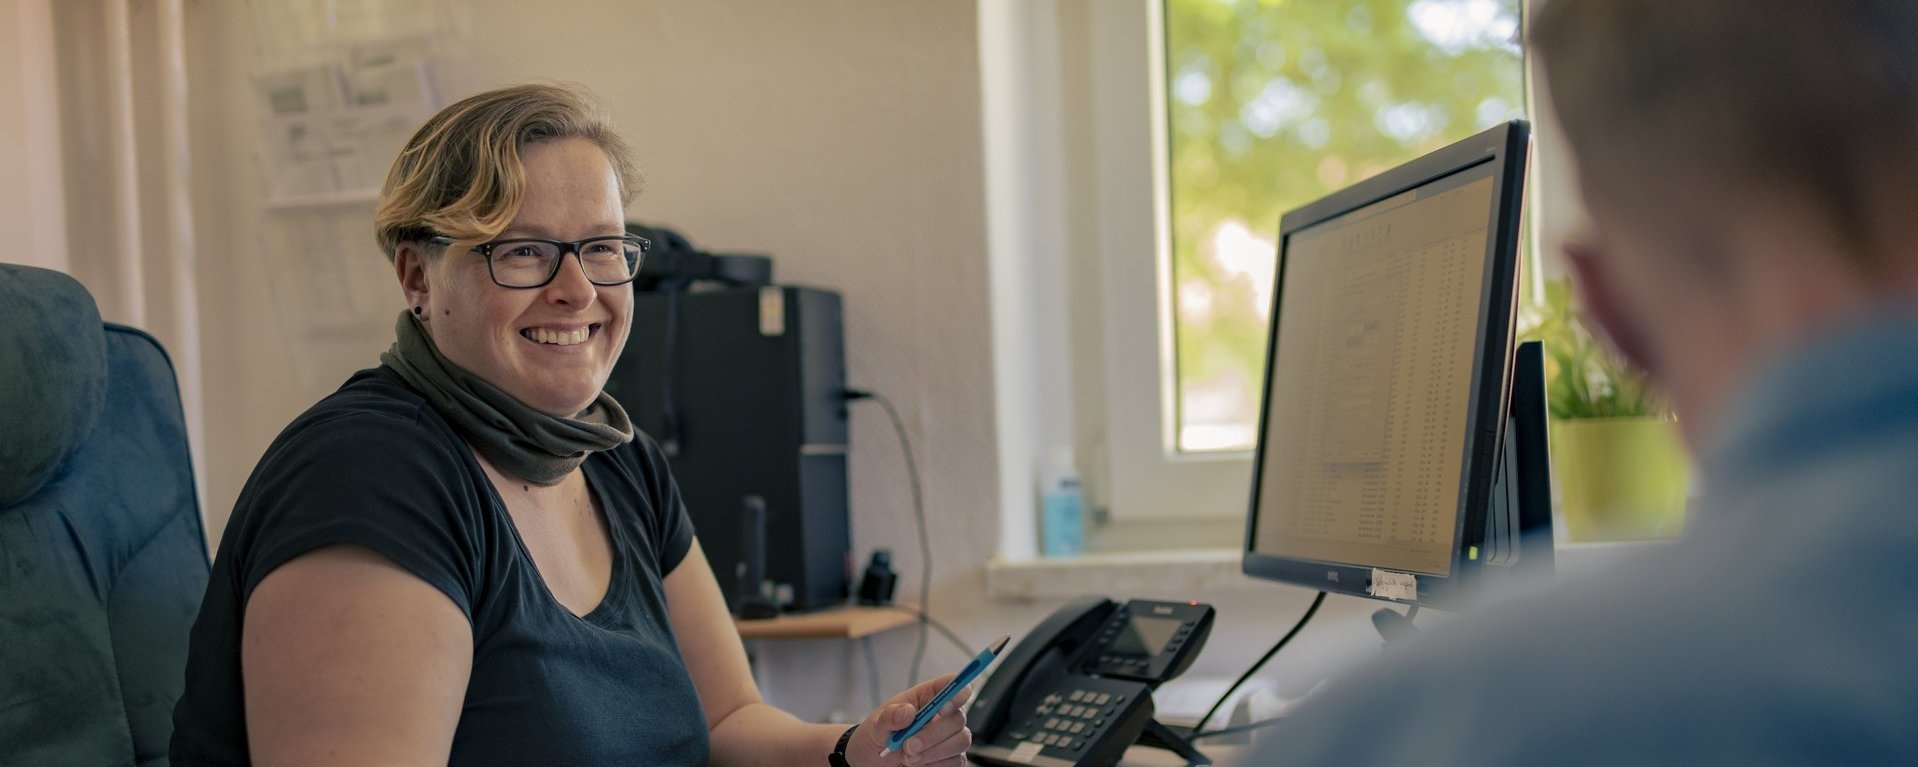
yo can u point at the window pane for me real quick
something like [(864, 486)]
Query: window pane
[(1275, 103)]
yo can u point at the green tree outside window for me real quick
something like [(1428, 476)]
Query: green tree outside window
[(1275, 103)]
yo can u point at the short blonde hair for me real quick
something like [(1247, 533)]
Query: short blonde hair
[(461, 175)]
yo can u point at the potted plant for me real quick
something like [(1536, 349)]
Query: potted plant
[(1617, 463)]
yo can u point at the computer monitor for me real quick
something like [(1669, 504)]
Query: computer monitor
[(1401, 452)]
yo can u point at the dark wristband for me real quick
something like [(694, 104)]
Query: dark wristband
[(838, 756)]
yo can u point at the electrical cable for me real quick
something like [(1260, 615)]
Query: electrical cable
[(1303, 619), (872, 671), (919, 516), (668, 400), (965, 648)]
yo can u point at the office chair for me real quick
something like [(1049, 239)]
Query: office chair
[(102, 555)]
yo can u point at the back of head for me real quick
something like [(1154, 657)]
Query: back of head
[(461, 174), (1669, 104)]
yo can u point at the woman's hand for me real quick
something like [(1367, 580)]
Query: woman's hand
[(942, 743)]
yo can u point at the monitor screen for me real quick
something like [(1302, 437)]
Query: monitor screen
[(1391, 330), (1373, 376)]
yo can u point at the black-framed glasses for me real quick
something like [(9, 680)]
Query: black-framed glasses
[(530, 262)]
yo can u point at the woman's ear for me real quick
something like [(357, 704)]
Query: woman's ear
[(410, 265)]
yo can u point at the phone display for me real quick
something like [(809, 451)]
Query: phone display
[(1145, 636)]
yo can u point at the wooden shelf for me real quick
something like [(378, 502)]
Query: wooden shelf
[(849, 622)]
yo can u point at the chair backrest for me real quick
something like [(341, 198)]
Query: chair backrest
[(102, 552)]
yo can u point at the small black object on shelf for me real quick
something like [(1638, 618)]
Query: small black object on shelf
[(877, 586)]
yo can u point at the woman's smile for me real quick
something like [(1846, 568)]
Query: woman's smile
[(567, 337)]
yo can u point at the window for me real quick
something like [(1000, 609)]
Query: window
[(1140, 153), (1271, 104)]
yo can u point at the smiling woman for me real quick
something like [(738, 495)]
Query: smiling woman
[(467, 555)]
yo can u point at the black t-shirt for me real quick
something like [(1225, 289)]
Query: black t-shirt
[(374, 465)]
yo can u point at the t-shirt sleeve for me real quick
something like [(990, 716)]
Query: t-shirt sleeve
[(672, 526), (377, 480)]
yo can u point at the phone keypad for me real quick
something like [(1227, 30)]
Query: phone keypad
[(1069, 721)]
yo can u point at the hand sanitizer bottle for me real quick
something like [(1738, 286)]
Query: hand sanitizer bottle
[(1062, 531)]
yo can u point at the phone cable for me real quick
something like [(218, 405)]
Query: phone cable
[(1198, 729)]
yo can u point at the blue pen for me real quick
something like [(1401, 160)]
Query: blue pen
[(965, 677)]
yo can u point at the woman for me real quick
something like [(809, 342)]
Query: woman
[(467, 554)]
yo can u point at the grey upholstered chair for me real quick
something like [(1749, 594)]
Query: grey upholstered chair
[(102, 555)]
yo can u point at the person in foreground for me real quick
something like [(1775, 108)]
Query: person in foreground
[(1750, 170), (467, 555)]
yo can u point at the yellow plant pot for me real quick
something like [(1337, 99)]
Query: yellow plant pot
[(1619, 479)]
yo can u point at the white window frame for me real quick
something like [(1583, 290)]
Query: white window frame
[(1149, 479)]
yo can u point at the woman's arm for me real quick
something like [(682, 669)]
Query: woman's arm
[(351, 660), (748, 732), (745, 731)]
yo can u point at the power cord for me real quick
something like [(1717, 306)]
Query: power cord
[(669, 431), (919, 516), (1296, 627), (872, 671), (965, 648)]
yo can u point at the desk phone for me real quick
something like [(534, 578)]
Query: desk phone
[(1077, 690)]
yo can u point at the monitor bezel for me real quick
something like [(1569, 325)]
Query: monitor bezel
[(1505, 147)]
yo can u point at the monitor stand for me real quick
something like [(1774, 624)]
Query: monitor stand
[(1157, 735), (1518, 524)]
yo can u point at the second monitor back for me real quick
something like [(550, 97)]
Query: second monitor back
[(756, 390)]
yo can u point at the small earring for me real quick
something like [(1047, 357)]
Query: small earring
[(419, 311)]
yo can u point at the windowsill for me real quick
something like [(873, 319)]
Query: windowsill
[(1211, 571), (1120, 536), (1577, 560), (1189, 571)]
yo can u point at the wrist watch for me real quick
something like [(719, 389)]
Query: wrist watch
[(838, 756)]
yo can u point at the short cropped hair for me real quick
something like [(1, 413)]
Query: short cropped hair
[(1817, 99), (461, 174)]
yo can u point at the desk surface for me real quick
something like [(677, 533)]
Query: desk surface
[(849, 622)]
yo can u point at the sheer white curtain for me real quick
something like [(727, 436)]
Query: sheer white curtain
[(32, 201), (100, 140)]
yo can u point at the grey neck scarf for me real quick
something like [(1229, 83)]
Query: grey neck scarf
[(516, 438)]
